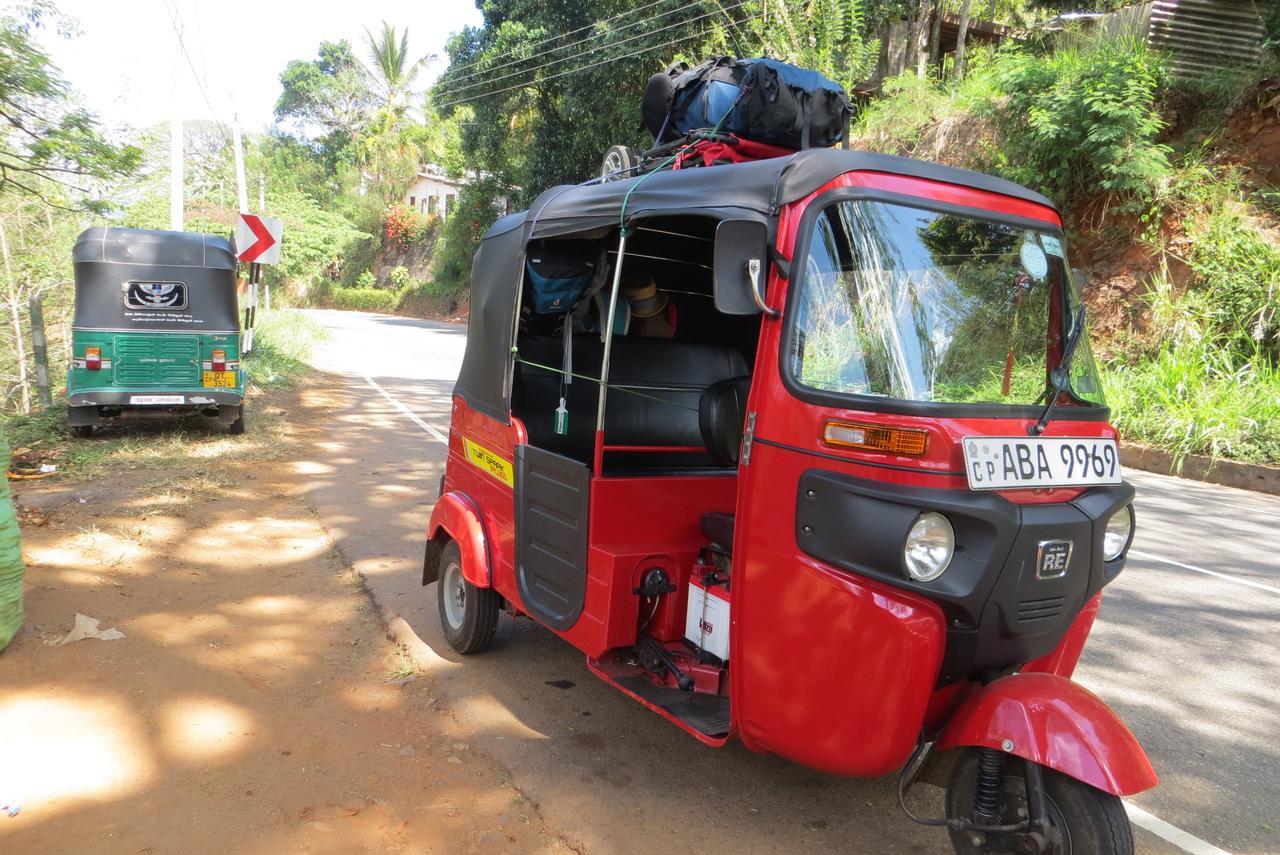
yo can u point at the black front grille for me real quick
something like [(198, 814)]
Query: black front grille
[(1031, 611)]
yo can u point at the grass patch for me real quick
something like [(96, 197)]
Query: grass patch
[(282, 343)]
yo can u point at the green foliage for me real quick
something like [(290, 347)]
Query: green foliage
[(477, 209), (364, 299), (328, 97), (826, 35), (1193, 397), (48, 140), (394, 71), (366, 280), (1083, 119)]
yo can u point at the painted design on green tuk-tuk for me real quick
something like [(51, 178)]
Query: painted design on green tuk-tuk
[(156, 325)]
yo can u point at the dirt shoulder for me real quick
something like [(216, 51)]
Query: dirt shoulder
[(254, 703)]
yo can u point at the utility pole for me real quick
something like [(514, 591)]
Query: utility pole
[(262, 209), (175, 169), (243, 192)]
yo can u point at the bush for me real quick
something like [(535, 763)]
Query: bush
[(405, 226), (366, 280), (1083, 119), (364, 299)]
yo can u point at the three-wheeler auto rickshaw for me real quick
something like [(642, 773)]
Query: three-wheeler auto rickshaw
[(854, 505), (156, 330)]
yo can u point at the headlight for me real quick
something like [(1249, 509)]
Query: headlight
[(1118, 534), (930, 545)]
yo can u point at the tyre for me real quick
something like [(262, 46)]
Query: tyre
[(619, 162), (82, 431), (236, 428), (1089, 821), (469, 615)]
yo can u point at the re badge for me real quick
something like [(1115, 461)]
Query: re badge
[(1052, 558)]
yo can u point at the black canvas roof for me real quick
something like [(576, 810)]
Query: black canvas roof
[(108, 259), (754, 190), (757, 188)]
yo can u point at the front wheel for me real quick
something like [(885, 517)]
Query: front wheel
[(468, 614), (1086, 821)]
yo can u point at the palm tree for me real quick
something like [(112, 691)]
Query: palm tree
[(392, 70)]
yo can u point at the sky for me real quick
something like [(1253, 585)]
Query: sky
[(127, 68)]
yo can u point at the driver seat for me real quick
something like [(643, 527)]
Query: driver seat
[(722, 413)]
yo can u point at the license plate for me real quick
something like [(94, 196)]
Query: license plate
[(221, 379), (157, 399), (1002, 463)]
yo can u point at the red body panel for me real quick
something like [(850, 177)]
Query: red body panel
[(458, 515), (492, 497), (1057, 724)]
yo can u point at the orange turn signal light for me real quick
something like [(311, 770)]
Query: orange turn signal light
[(875, 437)]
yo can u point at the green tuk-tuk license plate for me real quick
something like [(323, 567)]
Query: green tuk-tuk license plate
[(220, 379)]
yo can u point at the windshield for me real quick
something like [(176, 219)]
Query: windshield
[(917, 305)]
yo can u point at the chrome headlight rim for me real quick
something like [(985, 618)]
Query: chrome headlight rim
[(1109, 557), (913, 561)]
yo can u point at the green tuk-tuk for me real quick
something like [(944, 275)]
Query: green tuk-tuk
[(156, 329)]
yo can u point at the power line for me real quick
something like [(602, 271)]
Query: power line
[(573, 44), (606, 61), (175, 15), (599, 48), (537, 44)]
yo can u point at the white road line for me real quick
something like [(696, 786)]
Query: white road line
[(1238, 580), (437, 435), (1170, 833)]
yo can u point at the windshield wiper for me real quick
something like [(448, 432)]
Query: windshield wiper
[(1060, 376)]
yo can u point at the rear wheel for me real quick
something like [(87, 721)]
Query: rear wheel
[(469, 615), (1087, 820), (237, 427)]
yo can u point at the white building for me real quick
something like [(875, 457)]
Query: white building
[(434, 192)]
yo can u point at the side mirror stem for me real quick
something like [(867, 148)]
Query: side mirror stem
[(753, 271)]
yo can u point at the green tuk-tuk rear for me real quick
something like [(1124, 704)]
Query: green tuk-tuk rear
[(156, 330)]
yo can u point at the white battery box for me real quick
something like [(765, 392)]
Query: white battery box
[(706, 623)]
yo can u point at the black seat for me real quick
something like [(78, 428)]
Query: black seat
[(718, 527), (722, 411)]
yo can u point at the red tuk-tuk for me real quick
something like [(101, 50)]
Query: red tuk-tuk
[(853, 501)]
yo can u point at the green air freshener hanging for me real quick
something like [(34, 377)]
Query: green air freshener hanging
[(562, 419)]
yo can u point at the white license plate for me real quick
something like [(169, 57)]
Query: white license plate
[(157, 399), (1006, 462)]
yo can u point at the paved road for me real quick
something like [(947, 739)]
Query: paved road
[(1188, 658)]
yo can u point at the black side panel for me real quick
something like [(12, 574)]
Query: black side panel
[(551, 535)]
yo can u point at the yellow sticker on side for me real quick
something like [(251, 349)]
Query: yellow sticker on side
[(485, 459)]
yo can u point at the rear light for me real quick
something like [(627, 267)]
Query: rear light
[(93, 358), (875, 438), (219, 360)]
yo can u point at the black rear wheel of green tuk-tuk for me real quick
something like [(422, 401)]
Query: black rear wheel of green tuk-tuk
[(468, 615), (1084, 818), (237, 427)]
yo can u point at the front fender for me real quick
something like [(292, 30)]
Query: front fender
[(1052, 721), (457, 518)]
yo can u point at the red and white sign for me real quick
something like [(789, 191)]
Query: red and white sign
[(258, 239)]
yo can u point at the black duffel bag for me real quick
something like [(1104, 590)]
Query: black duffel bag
[(758, 99)]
